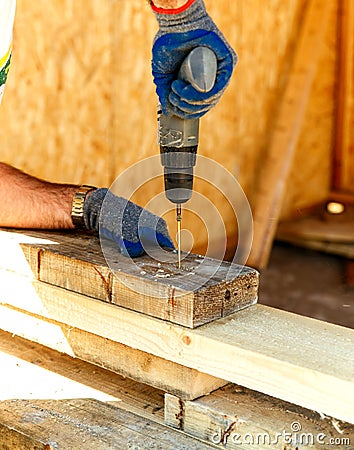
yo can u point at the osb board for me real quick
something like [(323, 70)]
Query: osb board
[(80, 103), (56, 109)]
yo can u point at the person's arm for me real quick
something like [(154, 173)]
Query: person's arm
[(27, 202)]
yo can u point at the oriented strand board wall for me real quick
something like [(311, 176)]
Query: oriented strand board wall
[(56, 112), (80, 102)]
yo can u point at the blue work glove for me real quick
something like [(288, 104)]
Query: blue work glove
[(180, 31), (127, 224)]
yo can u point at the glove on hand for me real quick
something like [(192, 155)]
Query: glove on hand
[(129, 225), (180, 31)]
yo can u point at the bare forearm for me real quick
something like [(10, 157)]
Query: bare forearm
[(169, 4), (27, 202)]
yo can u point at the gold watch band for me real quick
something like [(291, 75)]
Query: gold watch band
[(77, 210)]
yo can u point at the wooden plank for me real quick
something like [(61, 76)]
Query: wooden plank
[(334, 248), (140, 366), (275, 169), (37, 372), (48, 375), (238, 418), (343, 171), (203, 291), (82, 423), (290, 357), (318, 229)]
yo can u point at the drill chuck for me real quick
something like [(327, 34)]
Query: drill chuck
[(178, 172)]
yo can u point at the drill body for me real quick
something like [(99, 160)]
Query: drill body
[(178, 149), (178, 138)]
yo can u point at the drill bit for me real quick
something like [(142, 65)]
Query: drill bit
[(179, 219)]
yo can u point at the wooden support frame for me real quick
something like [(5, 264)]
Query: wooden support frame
[(286, 132), (140, 366), (293, 358), (232, 413), (241, 419), (67, 403)]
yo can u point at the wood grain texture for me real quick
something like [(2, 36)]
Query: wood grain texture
[(50, 374), (290, 357), (203, 291), (239, 418), (140, 366), (59, 404), (82, 423), (343, 173)]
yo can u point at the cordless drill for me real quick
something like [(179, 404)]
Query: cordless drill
[(178, 138)]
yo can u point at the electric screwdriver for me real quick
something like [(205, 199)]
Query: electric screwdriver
[(178, 138)]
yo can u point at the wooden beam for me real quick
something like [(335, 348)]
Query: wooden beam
[(276, 167), (333, 248), (49, 374), (343, 171), (140, 366), (205, 290), (318, 229), (290, 357), (82, 423), (241, 419)]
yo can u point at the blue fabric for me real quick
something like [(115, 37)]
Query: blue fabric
[(176, 96), (137, 248), (130, 226)]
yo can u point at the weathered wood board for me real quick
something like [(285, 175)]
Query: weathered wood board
[(52, 375), (203, 291), (58, 404), (241, 419), (83, 423)]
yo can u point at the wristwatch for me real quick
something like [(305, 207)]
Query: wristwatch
[(77, 210)]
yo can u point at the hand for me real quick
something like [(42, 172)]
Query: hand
[(129, 225), (178, 35)]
